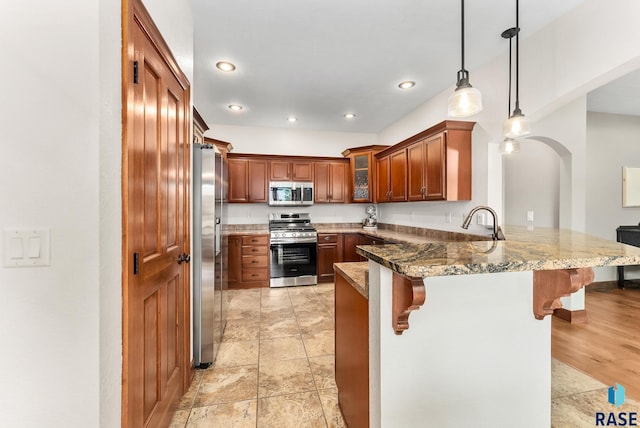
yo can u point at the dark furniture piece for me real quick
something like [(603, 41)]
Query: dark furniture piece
[(627, 235)]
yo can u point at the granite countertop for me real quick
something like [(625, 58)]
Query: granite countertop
[(356, 274), (523, 250)]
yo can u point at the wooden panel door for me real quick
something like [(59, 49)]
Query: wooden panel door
[(302, 171), (339, 176), (398, 167), (350, 241), (257, 180), (321, 187), (238, 180), (436, 168), (234, 261), (280, 170), (155, 206), (416, 171), (383, 179)]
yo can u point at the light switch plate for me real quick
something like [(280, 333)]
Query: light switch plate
[(26, 247)]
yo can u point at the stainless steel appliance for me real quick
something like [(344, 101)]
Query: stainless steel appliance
[(290, 193), (209, 297), (292, 250)]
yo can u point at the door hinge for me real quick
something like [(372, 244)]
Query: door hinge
[(136, 263), (135, 72)]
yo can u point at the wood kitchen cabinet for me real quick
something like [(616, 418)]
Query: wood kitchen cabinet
[(329, 252), (351, 240), (247, 179), (248, 261), (330, 182), (352, 353), (283, 170), (437, 167), (392, 176), (362, 172)]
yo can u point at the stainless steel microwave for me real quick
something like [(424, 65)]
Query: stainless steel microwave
[(290, 193)]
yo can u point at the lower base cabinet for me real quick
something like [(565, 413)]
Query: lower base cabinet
[(329, 252), (352, 353), (248, 261)]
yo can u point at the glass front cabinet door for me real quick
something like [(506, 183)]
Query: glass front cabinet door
[(362, 171)]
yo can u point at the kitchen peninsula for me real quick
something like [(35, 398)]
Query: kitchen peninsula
[(457, 331)]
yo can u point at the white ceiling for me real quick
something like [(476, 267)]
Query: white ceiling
[(318, 59)]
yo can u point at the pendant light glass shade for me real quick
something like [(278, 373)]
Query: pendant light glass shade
[(508, 146), (517, 125), (465, 100)]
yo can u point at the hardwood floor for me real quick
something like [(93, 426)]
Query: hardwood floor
[(607, 347)]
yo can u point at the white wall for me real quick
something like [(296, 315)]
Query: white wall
[(49, 163), (60, 169), (612, 142), (282, 141), (532, 183), (285, 141)]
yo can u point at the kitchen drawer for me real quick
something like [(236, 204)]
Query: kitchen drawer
[(255, 261), (255, 251), (254, 274), (327, 238), (255, 240)]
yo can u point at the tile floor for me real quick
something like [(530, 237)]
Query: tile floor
[(275, 368)]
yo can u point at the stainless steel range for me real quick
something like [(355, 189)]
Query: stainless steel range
[(292, 245)]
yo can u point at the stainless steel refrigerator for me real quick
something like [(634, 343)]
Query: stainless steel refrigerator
[(209, 296)]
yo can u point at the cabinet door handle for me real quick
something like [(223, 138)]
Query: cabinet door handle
[(326, 238), (254, 261)]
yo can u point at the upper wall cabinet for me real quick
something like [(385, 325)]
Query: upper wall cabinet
[(247, 179), (391, 171), (438, 163), (363, 172), (331, 182), (283, 170)]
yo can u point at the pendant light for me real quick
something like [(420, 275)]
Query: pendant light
[(465, 100), (509, 145), (517, 125)]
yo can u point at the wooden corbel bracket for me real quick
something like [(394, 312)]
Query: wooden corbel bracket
[(409, 294), (550, 285)]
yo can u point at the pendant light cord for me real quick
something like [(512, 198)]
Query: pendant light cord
[(510, 73), (462, 33), (517, 56)]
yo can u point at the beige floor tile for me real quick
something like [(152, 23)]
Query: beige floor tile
[(282, 348), (274, 292), (276, 313), (279, 328), (284, 377), (332, 413), (243, 314), (567, 381), (186, 402), (323, 370), (241, 330), (291, 411), (180, 418), (237, 353), (240, 414), (227, 384), (318, 344), (313, 322)]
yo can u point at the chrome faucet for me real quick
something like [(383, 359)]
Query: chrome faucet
[(497, 232)]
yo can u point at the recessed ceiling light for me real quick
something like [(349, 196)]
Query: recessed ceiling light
[(235, 107), (225, 66), (406, 84), (292, 119), (349, 115)]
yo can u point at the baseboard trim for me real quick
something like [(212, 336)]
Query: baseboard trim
[(574, 317)]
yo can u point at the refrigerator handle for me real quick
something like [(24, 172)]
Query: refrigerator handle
[(218, 240)]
